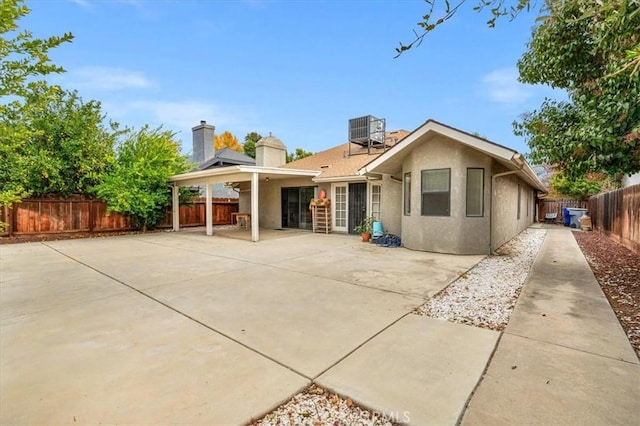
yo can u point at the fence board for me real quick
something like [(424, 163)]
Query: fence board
[(617, 215), (556, 206), (81, 214), (194, 214)]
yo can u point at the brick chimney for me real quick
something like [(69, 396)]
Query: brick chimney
[(270, 152), (203, 148)]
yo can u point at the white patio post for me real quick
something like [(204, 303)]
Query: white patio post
[(208, 217), (175, 205), (254, 207)]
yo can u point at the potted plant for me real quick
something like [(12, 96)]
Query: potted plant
[(365, 228)]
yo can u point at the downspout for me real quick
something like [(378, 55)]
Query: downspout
[(491, 207)]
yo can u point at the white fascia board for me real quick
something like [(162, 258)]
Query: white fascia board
[(393, 151), (244, 172), (354, 178), (472, 141)]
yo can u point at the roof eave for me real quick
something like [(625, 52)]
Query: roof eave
[(241, 169)]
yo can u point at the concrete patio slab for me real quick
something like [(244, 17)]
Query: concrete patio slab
[(30, 282), (536, 383), (214, 333), (159, 266), (126, 359), (305, 322), (418, 371), (399, 270)]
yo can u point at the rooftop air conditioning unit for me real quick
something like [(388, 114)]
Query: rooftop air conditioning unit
[(367, 131)]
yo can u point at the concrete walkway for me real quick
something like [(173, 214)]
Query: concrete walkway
[(564, 358), (180, 328)]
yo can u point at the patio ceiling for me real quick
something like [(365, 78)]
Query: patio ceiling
[(238, 174), (253, 174)]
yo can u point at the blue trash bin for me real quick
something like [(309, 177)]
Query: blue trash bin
[(567, 217), (574, 216)]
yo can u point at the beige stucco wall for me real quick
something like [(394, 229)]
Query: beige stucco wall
[(456, 233), (391, 215), (270, 199), (506, 224)]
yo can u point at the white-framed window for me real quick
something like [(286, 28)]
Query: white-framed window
[(376, 202)]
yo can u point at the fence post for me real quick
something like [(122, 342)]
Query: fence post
[(91, 218), (14, 219)]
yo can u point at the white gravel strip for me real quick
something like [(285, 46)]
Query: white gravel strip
[(486, 295), (315, 407)]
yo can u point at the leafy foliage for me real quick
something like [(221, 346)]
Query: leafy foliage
[(138, 183), (581, 49), (504, 8), (227, 140), (497, 9), (366, 225), (65, 147), (579, 188), (298, 154), (23, 59), (249, 146)]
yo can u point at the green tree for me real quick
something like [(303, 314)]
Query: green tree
[(582, 51), (249, 146), (297, 155), (138, 183), (23, 59), (440, 11), (579, 188), (66, 148)]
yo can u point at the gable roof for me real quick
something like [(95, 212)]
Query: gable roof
[(391, 161), (226, 157), (336, 163)]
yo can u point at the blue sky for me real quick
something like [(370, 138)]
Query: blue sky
[(299, 69)]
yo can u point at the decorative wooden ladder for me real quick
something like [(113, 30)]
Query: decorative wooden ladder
[(321, 215)]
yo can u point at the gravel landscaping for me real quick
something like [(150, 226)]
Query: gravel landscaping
[(486, 295), (315, 406)]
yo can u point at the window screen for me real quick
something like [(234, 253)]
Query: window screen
[(436, 187), (407, 193), (475, 192)]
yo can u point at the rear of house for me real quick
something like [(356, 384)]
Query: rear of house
[(460, 193), (439, 188)]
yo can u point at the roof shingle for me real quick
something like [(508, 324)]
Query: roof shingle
[(336, 161)]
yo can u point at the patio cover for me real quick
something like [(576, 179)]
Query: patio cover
[(235, 174)]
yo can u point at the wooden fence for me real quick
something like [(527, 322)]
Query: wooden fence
[(556, 206), (617, 214), (194, 214), (79, 214)]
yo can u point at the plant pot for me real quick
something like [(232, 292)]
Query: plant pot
[(366, 236)]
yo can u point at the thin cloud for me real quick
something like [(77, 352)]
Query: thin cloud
[(503, 87), (107, 79), (185, 114), (83, 3)]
